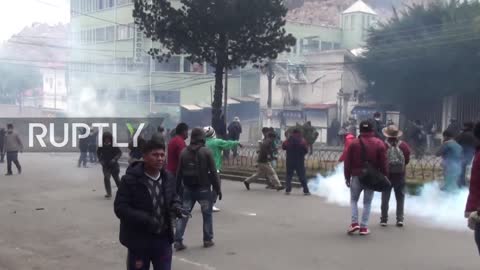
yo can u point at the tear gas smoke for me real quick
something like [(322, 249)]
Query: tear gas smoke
[(432, 207)]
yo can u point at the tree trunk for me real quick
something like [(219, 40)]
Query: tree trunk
[(217, 98)]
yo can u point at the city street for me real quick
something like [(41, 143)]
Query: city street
[(54, 216)]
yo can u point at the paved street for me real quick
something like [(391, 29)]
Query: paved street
[(75, 228)]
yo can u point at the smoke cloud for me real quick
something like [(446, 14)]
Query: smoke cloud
[(432, 207)]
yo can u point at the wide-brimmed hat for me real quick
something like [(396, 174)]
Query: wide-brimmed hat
[(392, 131)]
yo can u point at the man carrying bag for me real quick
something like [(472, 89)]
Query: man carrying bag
[(365, 170)]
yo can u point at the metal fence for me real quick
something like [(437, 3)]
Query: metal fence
[(326, 159)]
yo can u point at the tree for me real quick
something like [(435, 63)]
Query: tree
[(224, 33), (17, 78), (424, 54)]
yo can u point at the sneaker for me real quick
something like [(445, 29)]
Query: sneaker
[(307, 193), (364, 231), (215, 209), (353, 228), (280, 188), (7, 174), (207, 244), (383, 223), (108, 196), (287, 192), (400, 224), (179, 246), (269, 187), (247, 185)]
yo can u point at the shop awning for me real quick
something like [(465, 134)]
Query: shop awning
[(192, 107)]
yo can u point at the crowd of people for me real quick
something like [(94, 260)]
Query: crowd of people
[(165, 178)]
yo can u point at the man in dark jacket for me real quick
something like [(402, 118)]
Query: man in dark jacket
[(13, 145), (296, 148), (264, 167), (196, 175), (376, 155), (83, 147), (234, 131), (147, 205), (108, 156), (378, 125), (473, 201), (398, 157), (2, 144), (92, 145), (469, 143)]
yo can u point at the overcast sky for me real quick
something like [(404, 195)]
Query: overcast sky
[(16, 14)]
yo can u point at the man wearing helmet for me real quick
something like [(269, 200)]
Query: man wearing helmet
[(217, 146)]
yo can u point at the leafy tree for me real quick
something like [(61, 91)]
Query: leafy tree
[(424, 54), (17, 78), (224, 33)]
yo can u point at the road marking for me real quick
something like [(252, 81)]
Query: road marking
[(203, 266)]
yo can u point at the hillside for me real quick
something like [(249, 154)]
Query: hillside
[(327, 12)]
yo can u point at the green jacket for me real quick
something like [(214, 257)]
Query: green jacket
[(217, 146)]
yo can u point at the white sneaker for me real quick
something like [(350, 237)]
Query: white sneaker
[(215, 209)]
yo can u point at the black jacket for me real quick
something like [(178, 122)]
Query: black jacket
[(234, 131), (83, 144), (133, 206), (108, 155), (296, 148), (202, 175)]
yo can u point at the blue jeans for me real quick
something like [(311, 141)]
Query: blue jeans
[(356, 189), (204, 197), (159, 255)]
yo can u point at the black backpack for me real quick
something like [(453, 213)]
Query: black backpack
[(371, 178), (191, 168)]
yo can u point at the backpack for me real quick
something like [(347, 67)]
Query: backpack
[(191, 167), (395, 158)]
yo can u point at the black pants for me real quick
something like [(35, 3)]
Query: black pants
[(82, 159), (2, 153), (92, 154), (159, 255), (13, 157), (113, 171), (300, 169), (398, 186)]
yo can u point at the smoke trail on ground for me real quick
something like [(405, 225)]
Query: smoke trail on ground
[(432, 207)]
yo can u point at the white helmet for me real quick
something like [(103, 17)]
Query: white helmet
[(209, 132)]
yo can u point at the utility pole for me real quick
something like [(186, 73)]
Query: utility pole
[(55, 89), (225, 98), (270, 76)]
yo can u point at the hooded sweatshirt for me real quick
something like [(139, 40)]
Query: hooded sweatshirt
[(12, 142), (217, 146)]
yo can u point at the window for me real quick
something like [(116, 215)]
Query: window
[(110, 33), (326, 46), (336, 46), (122, 32), (100, 35), (124, 2), (110, 3), (143, 96), (352, 22), (311, 45), (131, 30), (132, 95), (192, 67), (121, 94), (121, 65), (100, 4), (173, 65), (166, 97), (131, 67)]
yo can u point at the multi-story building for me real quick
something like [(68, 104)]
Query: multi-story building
[(111, 73)]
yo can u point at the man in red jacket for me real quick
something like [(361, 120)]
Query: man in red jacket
[(176, 146), (473, 201), (376, 154)]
